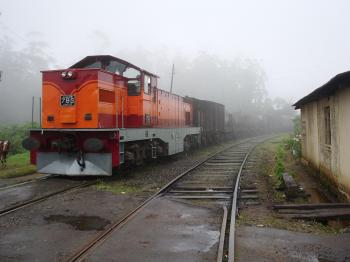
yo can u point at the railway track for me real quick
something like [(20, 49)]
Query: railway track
[(35, 200), (26, 182), (214, 181)]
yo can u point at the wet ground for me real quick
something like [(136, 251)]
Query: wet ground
[(52, 230), (166, 230), (81, 223), (270, 244), (14, 195), (5, 182), (263, 236)]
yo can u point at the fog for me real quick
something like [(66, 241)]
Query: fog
[(253, 56)]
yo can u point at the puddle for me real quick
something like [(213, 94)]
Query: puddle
[(196, 238), (82, 223)]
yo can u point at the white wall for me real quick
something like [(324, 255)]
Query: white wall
[(332, 160)]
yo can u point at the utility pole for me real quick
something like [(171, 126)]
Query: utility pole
[(172, 79)]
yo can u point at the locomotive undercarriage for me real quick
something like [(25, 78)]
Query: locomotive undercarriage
[(97, 152), (160, 142), (139, 151)]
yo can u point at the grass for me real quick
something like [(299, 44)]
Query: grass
[(279, 161), (269, 220), (271, 153), (272, 167), (117, 187), (17, 165)]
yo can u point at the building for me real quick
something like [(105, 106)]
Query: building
[(325, 125)]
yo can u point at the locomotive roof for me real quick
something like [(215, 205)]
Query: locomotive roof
[(110, 58)]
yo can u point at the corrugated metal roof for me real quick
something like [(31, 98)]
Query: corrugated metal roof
[(339, 81)]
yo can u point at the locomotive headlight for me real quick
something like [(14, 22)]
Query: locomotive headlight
[(64, 74), (68, 74)]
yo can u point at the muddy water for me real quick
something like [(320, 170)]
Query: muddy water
[(83, 223)]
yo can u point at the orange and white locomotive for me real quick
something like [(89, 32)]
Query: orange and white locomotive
[(103, 112)]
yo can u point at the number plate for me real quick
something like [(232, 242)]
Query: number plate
[(68, 100)]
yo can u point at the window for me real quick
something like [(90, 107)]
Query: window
[(95, 64), (134, 88), (109, 65), (114, 67), (134, 85), (131, 73), (327, 124), (147, 84), (153, 81)]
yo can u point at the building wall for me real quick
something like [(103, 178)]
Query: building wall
[(309, 125), (343, 126), (331, 158)]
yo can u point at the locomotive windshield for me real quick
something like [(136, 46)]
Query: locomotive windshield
[(111, 66), (117, 66)]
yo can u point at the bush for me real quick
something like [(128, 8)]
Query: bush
[(15, 134), (297, 125), (279, 164), (293, 144)]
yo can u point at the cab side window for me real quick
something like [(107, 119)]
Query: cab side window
[(134, 85), (134, 88), (147, 84)]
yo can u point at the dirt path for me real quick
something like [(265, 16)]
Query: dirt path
[(262, 235)]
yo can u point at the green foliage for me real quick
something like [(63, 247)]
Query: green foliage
[(17, 165), (15, 134), (279, 163), (293, 142), (116, 187), (297, 125)]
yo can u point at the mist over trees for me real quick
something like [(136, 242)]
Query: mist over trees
[(21, 77), (237, 83)]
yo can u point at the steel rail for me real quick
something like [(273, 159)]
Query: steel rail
[(222, 236), (81, 253), (43, 198), (26, 182), (231, 248)]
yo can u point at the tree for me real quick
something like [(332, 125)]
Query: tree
[(21, 77)]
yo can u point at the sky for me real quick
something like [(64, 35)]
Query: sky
[(300, 44)]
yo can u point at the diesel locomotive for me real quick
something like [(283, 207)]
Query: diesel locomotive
[(103, 112)]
